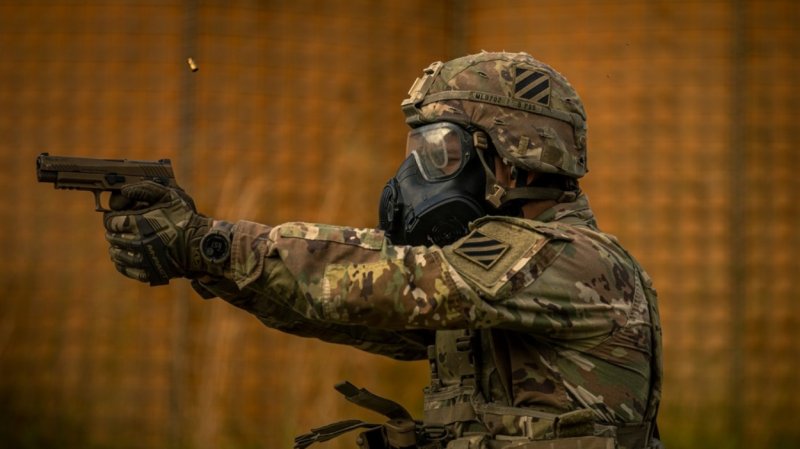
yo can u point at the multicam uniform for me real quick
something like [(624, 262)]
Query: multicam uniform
[(540, 333), (555, 317)]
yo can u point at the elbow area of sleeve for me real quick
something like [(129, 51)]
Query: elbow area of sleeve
[(415, 290)]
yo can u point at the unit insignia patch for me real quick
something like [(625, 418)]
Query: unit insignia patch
[(481, 249)]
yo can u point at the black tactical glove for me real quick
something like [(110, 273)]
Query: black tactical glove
[(159, 237)]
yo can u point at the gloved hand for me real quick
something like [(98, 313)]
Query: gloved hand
[(158, 237)]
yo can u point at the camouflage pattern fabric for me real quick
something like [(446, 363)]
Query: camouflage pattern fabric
[(575, 312), (532, 114)]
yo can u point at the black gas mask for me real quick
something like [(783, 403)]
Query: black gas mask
[(437, 191)]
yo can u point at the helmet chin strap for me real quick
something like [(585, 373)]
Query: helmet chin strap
[(498, 196)]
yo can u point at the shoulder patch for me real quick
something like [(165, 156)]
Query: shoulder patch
[(481, 249), (493, 252)]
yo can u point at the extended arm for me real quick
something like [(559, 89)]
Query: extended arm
[(356, 277), (353, 286), (272, 306)]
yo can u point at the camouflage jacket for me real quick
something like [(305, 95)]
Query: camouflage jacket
[(577, 314)]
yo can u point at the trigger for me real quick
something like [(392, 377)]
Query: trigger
[(98, 205), (119, 202)]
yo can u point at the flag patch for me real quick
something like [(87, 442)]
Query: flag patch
[(481, 249), (532, 85)]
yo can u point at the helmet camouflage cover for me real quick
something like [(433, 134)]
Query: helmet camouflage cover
[(532, 114)]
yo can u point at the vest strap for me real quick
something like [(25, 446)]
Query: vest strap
[(331, 431), (369, 400)]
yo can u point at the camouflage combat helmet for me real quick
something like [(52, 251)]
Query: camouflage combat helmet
[(531, 113)]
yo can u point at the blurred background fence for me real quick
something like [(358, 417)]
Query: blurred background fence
[(294, 115)]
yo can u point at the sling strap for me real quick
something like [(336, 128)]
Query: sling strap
[(331, 431), (369, 400), (399, 432)]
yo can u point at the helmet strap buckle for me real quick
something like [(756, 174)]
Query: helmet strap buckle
[(568, 196), (480, 140), (496, 197)]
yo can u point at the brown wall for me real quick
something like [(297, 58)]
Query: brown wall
[(294, 115)]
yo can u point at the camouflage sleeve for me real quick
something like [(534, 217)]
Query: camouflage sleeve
[(271, 305), (348, 276), (356, 277)]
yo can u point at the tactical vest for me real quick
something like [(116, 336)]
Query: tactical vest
[(458, 416), (461, 383)]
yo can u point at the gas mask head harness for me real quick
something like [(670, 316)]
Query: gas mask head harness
[(439, 188)]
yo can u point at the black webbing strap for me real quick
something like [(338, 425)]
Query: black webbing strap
[(330, 431), (358, 396), (366, 399)]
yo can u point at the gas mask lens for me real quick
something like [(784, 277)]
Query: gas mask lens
[(439, 149)]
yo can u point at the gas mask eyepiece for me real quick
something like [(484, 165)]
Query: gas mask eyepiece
[(438, 189)]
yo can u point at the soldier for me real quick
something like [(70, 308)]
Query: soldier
[(541, 330)]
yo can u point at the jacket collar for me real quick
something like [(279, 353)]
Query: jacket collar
[(576, 212)]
